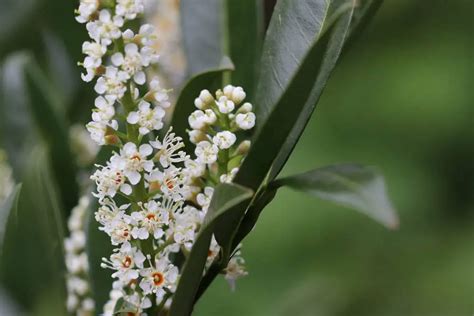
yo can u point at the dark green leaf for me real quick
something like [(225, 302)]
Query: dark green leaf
[(245, 36), (202, 33), (352, 185), (210, 80), (226, 196), (16, 128), (32, 262), (253, 213), (45, 110), (303, 44), (98, 246)]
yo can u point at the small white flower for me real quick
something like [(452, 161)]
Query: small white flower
[(98, 130), (127, 261), (133, 161), (158, 94), (225, 105), (236, 94), (209, 117), (170, 150), (169, 182), (112, 83), (229, 177), (197, 120), (195, 136), (106, 28), (235, 270), (147, 118), (224, 140), (104, 110), (86, 9), (204, 100), (245, 121), (194, 169), (204, 199), (129, 9), (109, 180), (206, 152), (160, 278), (134, 61), (151, 220)]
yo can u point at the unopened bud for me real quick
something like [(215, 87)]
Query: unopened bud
[(245, 108), (228, 90), (244, 147), (199, 104), (206, 97), (112, 140), (238, 95)]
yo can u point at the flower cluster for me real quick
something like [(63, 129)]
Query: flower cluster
[(153, 197), (79, 301)]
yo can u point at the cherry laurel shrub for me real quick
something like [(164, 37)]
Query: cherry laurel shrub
[(179, 182)]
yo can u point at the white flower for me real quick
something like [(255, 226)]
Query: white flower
[(235, 269), (151, 220), (112, 83), (229, 177), (129, 8), (169, 152), (109, 180), (204, 199), (147, 118), (160, 278), (225, 105), (132, 161), (98, 130), (204, 100), (93, 60), (158, 94), (245, 121), (206, 152), (197, 120), (169, 182), (86, 9), (195, 136), (106, 28), (236, 94), (104, 110), (194, 169), (127, 261), (224, 140), (185, 226), (134, 61)]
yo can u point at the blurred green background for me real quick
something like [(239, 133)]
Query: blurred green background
[(400, 99)]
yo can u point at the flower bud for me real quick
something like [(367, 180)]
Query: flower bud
[(244, 147), (245, 108), (206, 97), (228, 91), (199, 104), (196, 136), (238, 95)]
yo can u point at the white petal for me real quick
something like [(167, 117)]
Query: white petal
[(139, 77), (133, 118), (117, 59), (145, 150), (126, 189)]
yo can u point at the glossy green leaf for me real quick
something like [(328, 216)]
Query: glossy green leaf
[(303, 44), (359, 187), (45, 111), (98, 246), (202, 33), (244, 40), (32, 262), (226, 196), (363, 12), (210, 80), (16, 129)]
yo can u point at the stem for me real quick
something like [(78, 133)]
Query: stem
[(226, 76)]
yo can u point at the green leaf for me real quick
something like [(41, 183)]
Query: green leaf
[(210, 80), (253, 213), (202, 33), (244, 40), (9, 211), (32, 262), (226, 196), (45, 110), (98, 246), (352, 185), (16, 128), (303, 44)]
